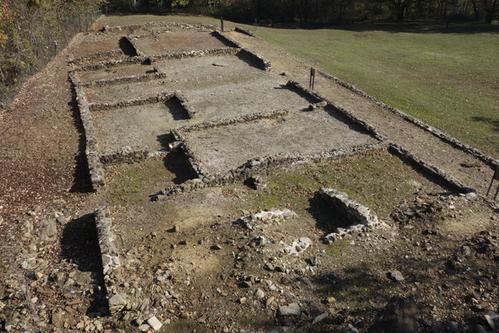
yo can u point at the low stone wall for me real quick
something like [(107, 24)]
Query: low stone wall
[(110, 261), (165, 26), (232, 121), (160, 98), (445, 137), (195, 53), (304, 92), (226, 39), (252, 57), (244, 31), (126, 79), (341, 110), (260, 166), (434, 172), (130, 40), (95, 168), (97, 56), (223, 51), (182, 144), (245, 53), (112, 63), (185, 104), (357, 215), (129, 156), (132, 102)]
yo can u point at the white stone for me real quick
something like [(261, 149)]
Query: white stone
[(292, 309), (320, 318), (154, 323)]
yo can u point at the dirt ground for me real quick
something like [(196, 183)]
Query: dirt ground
[(423, 144), (137, 127), (301, 132), (177, 41), (189, 260)]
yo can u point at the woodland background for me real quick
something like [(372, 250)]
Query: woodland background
[(33, 31)]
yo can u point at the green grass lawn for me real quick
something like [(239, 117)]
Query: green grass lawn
[(450, 80)]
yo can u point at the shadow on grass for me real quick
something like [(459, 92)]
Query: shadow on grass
[(489, 121), (397, 27), (80, 246)]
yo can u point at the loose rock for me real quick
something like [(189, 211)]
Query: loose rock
[(292, 309)]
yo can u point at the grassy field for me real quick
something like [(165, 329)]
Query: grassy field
[(450, 80)]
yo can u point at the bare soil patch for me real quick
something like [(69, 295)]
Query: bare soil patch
[(177, 41)]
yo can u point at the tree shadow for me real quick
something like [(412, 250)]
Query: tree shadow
[(421, 27), (80, 246), (408, 26), (489, 121), (364, 292)]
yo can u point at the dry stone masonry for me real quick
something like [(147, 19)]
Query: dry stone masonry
[(110, 260), (358, 216), (95, 168)]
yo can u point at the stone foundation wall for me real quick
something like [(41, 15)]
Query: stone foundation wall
[(160, 98), (445, 137), (245, 53), (111, 63), (232, 121), (110, 261), (434, 172), (97, 56), (359, 216), (129, 156), (159, 27), (126, 79), (132, 102), (95, 168), (149, 60), (260, 166), (296, 86), (244, 31)]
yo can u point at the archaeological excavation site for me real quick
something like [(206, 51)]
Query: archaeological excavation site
[(214, 188)]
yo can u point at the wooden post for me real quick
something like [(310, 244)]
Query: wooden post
[(312, 79), (495, 177), (222, 24)]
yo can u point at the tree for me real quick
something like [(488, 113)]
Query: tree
[(399, 8)]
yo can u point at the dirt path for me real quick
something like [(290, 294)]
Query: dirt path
[(424, 145)]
